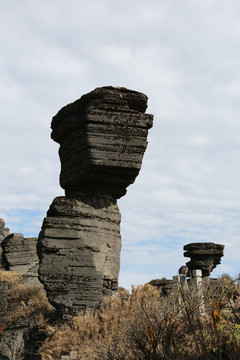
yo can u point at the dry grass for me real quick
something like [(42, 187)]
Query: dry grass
[(141, 325), (145, 326), (24, 301), (9, 277)]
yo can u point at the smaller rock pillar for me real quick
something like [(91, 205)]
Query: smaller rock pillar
[(204, 256)]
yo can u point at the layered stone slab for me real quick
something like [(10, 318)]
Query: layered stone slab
[(82, 239), (102, 138), (4, 232)]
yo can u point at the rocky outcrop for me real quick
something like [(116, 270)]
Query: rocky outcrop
[(165, 285), (4, 232), (80, 245), (19, 254), (102, 138), (204, 256)]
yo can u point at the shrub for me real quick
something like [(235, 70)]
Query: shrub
[(23, 301), (143, 325), (9, 277)]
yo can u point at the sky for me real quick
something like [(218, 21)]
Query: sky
[(185, 56)]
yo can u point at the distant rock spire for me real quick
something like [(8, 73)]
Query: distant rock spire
[(204, 256)]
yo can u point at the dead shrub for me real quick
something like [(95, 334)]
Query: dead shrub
[(143, 325)]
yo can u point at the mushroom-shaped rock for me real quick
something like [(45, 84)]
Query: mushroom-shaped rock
[(204, 256), (102, 137)]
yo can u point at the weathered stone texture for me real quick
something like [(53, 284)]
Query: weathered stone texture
[(204, 256), (12, 341), (166, 286), (82, 240), (3, 303), (11, 335), (102, 138), (4, 232), (20, 255)]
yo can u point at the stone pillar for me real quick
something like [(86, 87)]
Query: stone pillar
[(4, 232), (197, 281), (197, 278), (102, 138)]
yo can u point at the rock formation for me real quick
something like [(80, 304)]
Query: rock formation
[(3, 231), (165, 285), (19, 254), (204, 256), (102, 137), (12, 339)]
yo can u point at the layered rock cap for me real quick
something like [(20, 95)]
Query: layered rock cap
[(102, 137), (204, 256)]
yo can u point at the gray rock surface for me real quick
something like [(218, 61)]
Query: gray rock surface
[(3, 231), (166, 286), (204, 256), (79, 247), (12, 341), (19, 254), (102, 138)]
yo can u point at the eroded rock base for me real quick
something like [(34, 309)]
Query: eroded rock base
[(79, 251)]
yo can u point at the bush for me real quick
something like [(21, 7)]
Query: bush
[(23, 301)]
